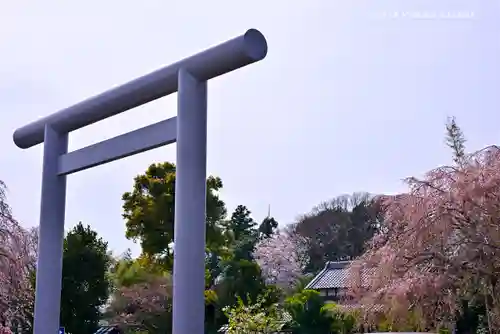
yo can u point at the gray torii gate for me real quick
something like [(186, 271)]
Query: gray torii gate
[(189, 78)]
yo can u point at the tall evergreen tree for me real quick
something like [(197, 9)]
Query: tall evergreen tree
[(268, 227), (85, 283), (455, 139), (241, 223)]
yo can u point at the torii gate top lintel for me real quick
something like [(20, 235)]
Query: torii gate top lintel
[(215, 61)]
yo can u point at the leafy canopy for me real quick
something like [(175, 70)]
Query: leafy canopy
[(85, 283), (150, 207)]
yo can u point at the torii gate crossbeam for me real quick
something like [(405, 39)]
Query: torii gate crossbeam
[(189, 78)]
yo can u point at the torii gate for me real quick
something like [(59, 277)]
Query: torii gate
[(189, 78)]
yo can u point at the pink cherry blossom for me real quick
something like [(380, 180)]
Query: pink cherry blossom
[(5, 330), (17, 261), (146, 305), (439, 239), (281, 259)]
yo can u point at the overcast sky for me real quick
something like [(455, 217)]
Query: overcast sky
[(353, 94)]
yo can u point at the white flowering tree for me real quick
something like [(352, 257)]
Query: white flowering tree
[(281, 258)]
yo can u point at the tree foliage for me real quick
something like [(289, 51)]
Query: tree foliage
[(146, 305), (260, 316), (309, 313), (5, 330), (17, 262), (242, 232), (85, 283), (268, 227), (127, 271), (149, 210), (242, 224), (241, 279), (241, 276), (455, 140), (282, 259), (338, 230), (441, 241)]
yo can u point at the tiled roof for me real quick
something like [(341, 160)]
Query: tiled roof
[(334, 275)]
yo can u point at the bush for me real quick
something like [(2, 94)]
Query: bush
[(253, 317), (343, 321), (308, 312)]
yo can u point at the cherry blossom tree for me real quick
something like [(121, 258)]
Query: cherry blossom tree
[(282, 258), (17, 262), (440, 241), (146, 305), (5, 330)]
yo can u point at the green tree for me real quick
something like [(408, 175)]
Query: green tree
[(309, 313), (268, 227), (343, 321), (258, 317), (243, 232), (241, 223), (127, 272), (85, 283), (149, 211), (455, 139), (243, 249), (241, 278), (214, 317)]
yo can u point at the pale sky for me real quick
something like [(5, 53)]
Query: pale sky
[(353, 94)]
